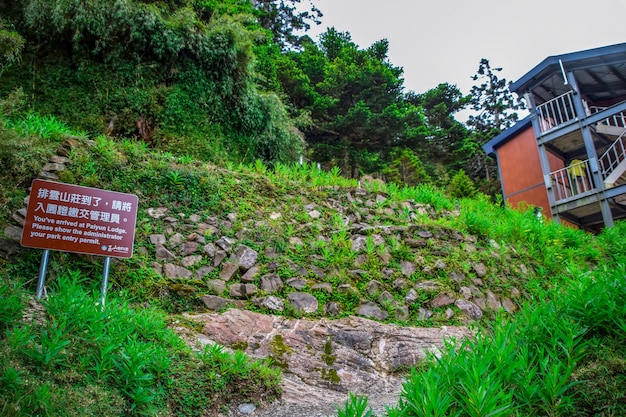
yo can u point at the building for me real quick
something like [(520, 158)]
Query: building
[(569, 155)]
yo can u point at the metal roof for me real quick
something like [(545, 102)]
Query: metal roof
[(599, 72)]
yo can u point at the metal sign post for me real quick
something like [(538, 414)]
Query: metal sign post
[(77, 219), (43, 266), (105, 279)]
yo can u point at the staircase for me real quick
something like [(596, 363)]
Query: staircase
[(613, 161)]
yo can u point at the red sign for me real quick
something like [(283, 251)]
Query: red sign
[(79, 219)]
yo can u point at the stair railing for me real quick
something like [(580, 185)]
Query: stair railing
[(613, 156)]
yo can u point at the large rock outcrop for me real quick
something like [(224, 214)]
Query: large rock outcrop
[(324, 359)]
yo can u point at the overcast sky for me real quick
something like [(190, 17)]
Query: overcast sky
[(439, 41)]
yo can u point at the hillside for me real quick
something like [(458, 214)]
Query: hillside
[(301, 243)]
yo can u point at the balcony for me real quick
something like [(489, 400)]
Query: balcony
[(556, 112), (573, 181)]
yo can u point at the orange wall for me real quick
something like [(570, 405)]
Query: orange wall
[(520, 170)]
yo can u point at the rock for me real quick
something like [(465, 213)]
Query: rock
[(158, 240), (423, 314), (465, 292), (408, 268), (442, 300), (370, 309), (20, 216), (275, 216), (360, 259), (210, 249), (297, 283), (347, 289), (175, 240), (425, 234), (192, 260), (251, 273), (216, 286), (57, 159), (332, 308), (470, 309), (402, 313), (411, 296), (480, 302), (508, 305), (247, 257), (270, 302), (475, 291), (228, 271), (449, 313), (46, 175), (314, 214), (157, 267), (366, 353), (439, 264), (415, 243), (203, 271), (358, 243), (242, 290), (189, 247), (480, 269), (386, 298), (216, 303), (385, 257), (374, 287), (515, 293), (157, 213), (246, 408), (205, 229), (13, 232), (457, 277), (493, 302), (163, 254), (302, 301), (169, 270), (428, 286), (295, 241), (175, 271), (225, 243), (194, 218), (400, 284), (183, 272), (271, 283), (220, 255)]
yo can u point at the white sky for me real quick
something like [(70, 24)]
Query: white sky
[(439, 41)]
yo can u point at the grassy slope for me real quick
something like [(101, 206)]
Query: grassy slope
[(47, 353)]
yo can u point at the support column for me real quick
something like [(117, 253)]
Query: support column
[(590, 148), (543, 156)]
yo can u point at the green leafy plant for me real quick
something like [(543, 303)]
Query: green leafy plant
[(355, 406)]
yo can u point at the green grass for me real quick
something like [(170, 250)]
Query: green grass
[(126, 354), (561, 354)]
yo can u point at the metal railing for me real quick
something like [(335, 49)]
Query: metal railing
[(617, 120), (571, 181), (557, 111), (613, 156)]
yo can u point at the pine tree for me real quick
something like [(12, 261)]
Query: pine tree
[(461, 186), (407, 169)]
